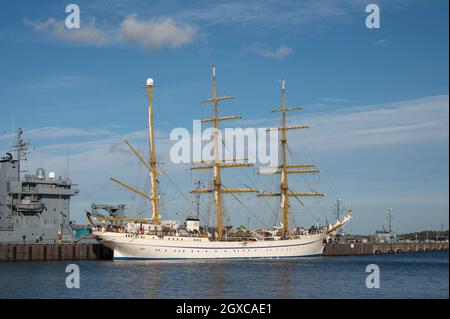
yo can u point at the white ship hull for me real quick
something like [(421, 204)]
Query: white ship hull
[(150, 247)]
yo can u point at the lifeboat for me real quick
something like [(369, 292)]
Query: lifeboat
[(29, 206)]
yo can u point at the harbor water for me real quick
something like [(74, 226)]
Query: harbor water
[(408, 275)]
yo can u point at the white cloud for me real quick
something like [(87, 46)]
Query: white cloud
[(267, 16), (273, 15), (155, 34), (278, 15), (88, 33), (150, 34), (54, 132), (266, 51), (248, 12), (404, 122)]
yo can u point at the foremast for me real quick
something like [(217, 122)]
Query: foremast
[(151, 165), (153, 170), (217, 163), (285, 169)]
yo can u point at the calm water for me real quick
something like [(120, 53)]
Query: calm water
[(421, 275)]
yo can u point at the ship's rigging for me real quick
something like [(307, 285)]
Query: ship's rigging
[(285, 169), (165, 239), (217, 163)]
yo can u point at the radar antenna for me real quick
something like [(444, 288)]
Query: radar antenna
[(19, 149)]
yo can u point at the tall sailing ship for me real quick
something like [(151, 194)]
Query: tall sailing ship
[(154, 238)]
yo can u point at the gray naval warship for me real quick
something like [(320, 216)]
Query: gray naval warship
[(33, 208)]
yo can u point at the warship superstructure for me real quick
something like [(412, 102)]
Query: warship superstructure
[(33, 208)]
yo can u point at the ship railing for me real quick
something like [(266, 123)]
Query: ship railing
[(160, 234), (241, 239), (306, 233), (267, 238)]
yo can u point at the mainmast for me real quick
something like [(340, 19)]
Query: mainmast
[(151, 165), (217, 163), (284, 169)]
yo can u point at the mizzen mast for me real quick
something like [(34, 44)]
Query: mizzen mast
[(217, 163), (284, 169)]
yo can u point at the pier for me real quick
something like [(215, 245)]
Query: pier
[(355, 249), (54, 252)]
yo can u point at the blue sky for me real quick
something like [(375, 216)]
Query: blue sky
[(376, 99)]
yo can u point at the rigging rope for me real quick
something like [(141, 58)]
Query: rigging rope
[(246, 208), (307, 210)]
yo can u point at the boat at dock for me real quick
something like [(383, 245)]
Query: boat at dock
[(33, 208), (154, 238)]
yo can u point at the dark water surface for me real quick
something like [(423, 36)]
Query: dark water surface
[(415, 275)]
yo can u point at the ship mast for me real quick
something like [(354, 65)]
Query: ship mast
[(217, 163), (151, 165), (20, 147), (284, 169), (284, 179), (153, 172)]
